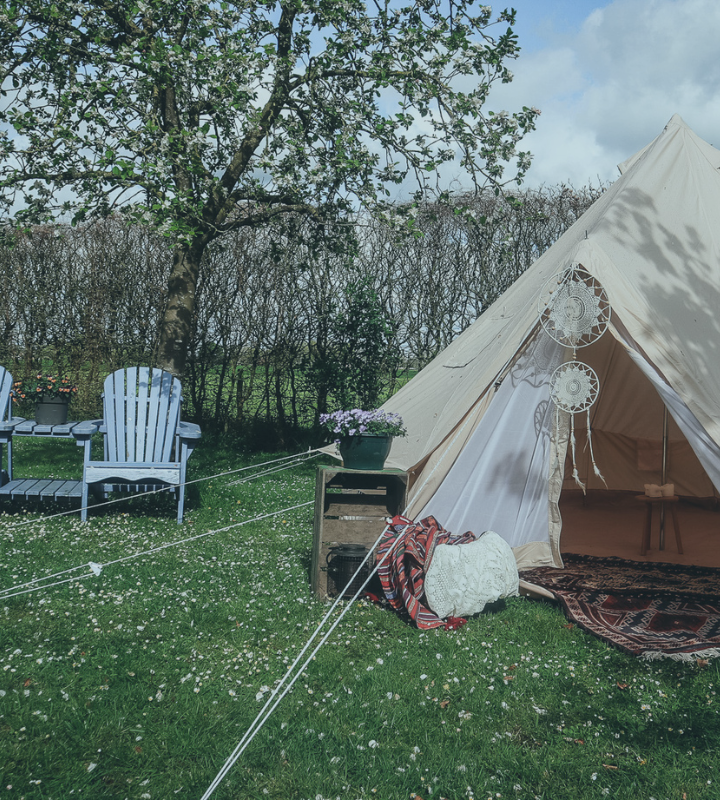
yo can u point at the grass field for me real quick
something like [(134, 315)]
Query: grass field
[(139, 683)]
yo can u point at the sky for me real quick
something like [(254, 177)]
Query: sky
[(607, 78)]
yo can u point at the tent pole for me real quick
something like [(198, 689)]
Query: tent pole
[(664, 475)]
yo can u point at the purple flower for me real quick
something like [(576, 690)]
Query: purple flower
[(356, 421)]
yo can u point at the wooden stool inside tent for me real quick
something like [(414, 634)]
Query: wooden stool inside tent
[(662, 501)]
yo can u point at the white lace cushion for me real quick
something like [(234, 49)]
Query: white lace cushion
[(464, 578)]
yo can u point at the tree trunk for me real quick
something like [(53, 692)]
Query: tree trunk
[(177, 323)]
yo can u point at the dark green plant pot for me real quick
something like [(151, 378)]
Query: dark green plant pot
[(51, 411), (367, 451)]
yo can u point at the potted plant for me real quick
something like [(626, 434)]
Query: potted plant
[(364, 438), (51, 395)]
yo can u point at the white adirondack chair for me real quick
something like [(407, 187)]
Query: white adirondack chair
[(146, 444)]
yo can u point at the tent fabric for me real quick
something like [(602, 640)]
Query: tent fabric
[(653, 241), (499, 480)]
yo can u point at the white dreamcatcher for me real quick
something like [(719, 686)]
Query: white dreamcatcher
[(574, 308), (575, 311)]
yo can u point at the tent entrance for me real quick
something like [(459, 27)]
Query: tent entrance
[(499, 480), (627, 430)]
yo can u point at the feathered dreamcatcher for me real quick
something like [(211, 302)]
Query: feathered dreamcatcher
[(575, 311)]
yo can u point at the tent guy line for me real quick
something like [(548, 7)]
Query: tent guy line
[(273, 470), (97, 567), (299, 458), (262, 716)]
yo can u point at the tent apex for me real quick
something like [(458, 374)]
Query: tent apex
[(674, 123), (676, 119)]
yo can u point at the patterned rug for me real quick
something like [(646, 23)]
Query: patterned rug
[(646, 609)]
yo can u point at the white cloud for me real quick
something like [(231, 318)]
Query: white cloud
[(608, 88)]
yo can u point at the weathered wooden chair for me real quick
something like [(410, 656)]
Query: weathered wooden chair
[(7, 423), (146, 444)]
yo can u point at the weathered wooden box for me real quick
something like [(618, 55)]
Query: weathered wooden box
[(351, 507)]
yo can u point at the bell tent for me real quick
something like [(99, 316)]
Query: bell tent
[(489, 448)]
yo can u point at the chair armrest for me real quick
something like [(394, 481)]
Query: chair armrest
[(87, 427), (9, 424), (188, 430)]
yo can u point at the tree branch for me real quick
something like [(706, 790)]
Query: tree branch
[(267, 214), (271, 111)]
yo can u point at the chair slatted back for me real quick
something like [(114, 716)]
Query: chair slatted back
[(6, 384), (142, 410)]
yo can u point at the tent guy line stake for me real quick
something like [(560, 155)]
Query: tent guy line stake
[(260, 720)]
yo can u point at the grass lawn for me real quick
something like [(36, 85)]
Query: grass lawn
[(140, 682)]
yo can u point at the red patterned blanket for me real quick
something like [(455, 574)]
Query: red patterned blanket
[(402, 573)]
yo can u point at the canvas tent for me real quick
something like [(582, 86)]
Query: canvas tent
[(486, 449)]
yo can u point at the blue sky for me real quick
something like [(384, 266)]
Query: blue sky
[(608, 76)]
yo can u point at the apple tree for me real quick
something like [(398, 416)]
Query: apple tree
[(197, 117)]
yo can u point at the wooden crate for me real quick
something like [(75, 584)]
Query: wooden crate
[(350, 508)]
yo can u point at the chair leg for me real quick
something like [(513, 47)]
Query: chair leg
[(183, 452), (181, 502), (678, 540), (84, 502)]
